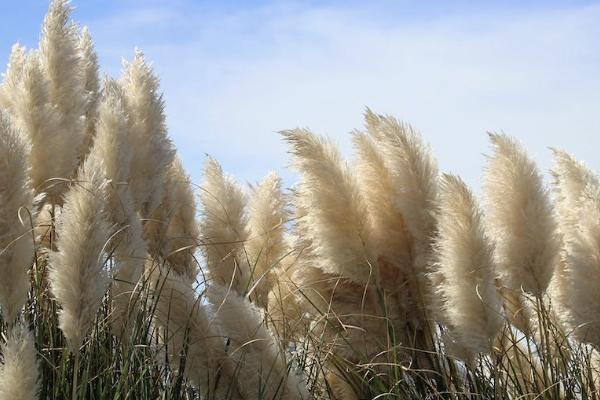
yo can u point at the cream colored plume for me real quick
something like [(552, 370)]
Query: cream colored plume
[(13, 74), (464, 259), (50, 156), (583, 270), (91, 84), (391, 240), (186, 324), (336, 220), (223, 229), (78, 279), (262, 369), (111, 153), (520, 218), (153, 149), (413, 174), (65, 73), (130, 257), (112, 150), (266, 247), (16, 239), (19, 369), (571, 178), (172, 230)]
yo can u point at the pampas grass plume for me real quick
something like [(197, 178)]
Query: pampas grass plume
[(266, 224), (582, 269), (520, 218), (154, 150), (262, 367), (50, 154), (89, 60), (77, 276), (336, 219), (16, 243), (223, 227), (172, 231), (65, 74), (186, 324), (19, 371), (464, 258), (413, 172)]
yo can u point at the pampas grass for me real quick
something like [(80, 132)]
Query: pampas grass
[(172, 230), (464, 254), (372, 280), (27, 98), (90, 67), (336, 218), (16, 201), (78, 277), (191, 339), (154, 152), (522, 222), (262, 366), (267, 246), (19, 369), (63, 70), (223, 227)]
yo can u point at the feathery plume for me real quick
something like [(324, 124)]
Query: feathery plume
[(570, 179), (77, 276), (396, 157), (16, 243), (391, 240), (464, 258), (13, 74), (19, 372), (573, 183), (266, 224), (64, 72), (50, 153), (89, 60), (262, 367), (336, 218), (172, 231), (154, 151), (583, 270), (186, 324), (223, 228), (413, 174), (111, 152), (519, 216)]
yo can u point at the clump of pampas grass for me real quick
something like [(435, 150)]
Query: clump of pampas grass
[(16, 201)]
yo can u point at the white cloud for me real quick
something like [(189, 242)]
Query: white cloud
[(233, 79)]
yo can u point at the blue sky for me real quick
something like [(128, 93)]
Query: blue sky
[(234, 73)]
